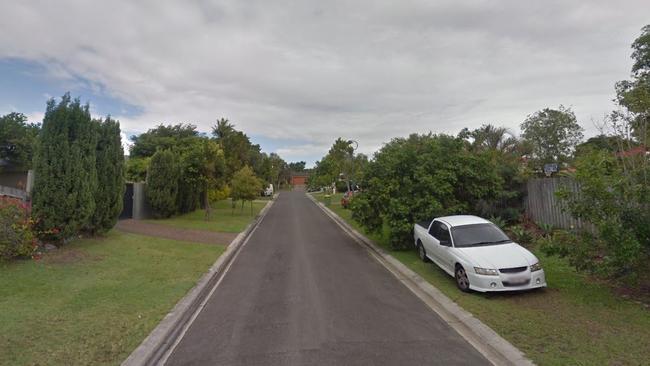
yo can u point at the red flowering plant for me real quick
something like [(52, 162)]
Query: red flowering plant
[(16, 235)]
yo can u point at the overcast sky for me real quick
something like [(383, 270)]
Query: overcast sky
[(294, 75)]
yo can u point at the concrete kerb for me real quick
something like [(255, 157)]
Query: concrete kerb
[(159, 341), (493, 347)]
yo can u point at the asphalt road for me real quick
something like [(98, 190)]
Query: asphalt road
[(302, 292)]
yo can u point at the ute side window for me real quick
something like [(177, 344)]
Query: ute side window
[(433, 230), (443, 233)]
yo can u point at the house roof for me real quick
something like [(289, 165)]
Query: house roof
[(639, 150)]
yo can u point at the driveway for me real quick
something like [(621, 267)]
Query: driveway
[(301, 292)]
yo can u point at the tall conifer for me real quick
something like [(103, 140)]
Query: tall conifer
[(110, 176), (65, 176)]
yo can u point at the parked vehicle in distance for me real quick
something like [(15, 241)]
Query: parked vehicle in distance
[(478, 254), (268, 191)]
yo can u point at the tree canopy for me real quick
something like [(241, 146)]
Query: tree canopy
[(162, 137), (245, 186), (17, 140), (420, 177), (297, 166), (552, 135), (634, 94)]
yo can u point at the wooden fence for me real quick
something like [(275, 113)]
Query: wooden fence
[(542, 205)]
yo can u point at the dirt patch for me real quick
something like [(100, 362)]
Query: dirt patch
[(175, 233), (68, 256)]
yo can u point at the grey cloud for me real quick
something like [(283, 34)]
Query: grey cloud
[(313, 70)]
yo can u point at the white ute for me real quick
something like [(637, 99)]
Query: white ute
[(478, 254)]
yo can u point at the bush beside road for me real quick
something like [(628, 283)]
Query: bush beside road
[(573, 321)]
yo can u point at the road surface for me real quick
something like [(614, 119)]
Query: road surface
[(302, 292)]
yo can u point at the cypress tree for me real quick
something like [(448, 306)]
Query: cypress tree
[(65, 177), (190, 185), (162, 183), (110, 176)]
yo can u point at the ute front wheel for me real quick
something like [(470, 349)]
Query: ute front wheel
[(462, 281)]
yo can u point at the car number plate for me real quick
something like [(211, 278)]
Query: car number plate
[(518, 280)]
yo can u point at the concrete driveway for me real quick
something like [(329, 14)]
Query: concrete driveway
[(301, 292)]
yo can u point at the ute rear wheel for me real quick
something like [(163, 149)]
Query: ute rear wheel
[(462, 281)]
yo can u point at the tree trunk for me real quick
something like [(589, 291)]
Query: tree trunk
[(208, 209)]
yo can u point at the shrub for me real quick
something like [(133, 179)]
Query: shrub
[(219, 194), (110, 176), (498, 221), (65, 177), (419, 178), (191, 180), (162, 184), (583, 250), (614, 197), (520, 234), (16, 235), (136, 169)]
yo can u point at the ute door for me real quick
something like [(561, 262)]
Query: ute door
[(444, 247), (434, 242)]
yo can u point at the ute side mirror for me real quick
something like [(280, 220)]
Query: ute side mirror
[(445, 243)]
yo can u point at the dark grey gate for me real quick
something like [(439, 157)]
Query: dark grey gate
[(127, 210)]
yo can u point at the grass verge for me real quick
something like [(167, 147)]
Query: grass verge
[(574, 321), (94, 300), (223, 219)]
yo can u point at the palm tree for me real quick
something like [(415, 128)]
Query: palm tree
[(494, 138)]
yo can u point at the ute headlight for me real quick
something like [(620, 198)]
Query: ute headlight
[(536, 267), (486, 271)]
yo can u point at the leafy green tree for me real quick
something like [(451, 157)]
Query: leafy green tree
[(245, 187), (164, 137), (602, 142), (280, 172), (552, 134), (162, 183), (238, 149), (136, 169), (212, 170), (190, 187), (490, 137), (614, 191), (505, 151), (110, 176), (420, 177), (298, 166), (615, 200), (17, 140), (65, 174), (339, 160), (634, 94), (202, 168)]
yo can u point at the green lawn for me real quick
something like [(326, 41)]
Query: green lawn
[(94, 300), (223, 219), (573, 322)]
